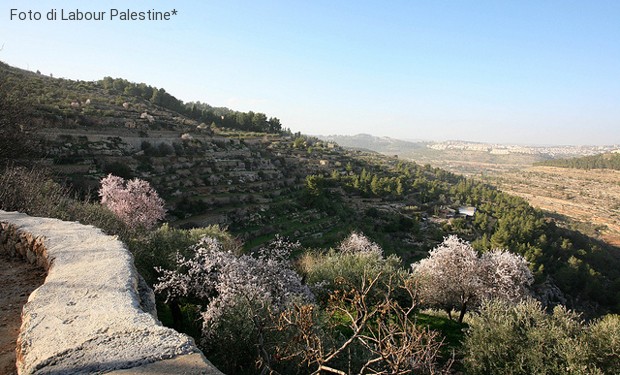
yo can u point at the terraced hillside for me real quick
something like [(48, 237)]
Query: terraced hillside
[(263, 183), (254, 185)]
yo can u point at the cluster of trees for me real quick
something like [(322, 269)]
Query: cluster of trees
[(202, 112), (227, 118), (348, 309), (50, 101), (601, 161), (373, 184), (142, 90), (405, 180)]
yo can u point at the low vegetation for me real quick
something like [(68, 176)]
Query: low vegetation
[(526, 339)]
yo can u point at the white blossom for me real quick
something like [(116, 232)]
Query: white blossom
[(506, 275), (358, 243), (454, 276), (224, 280)]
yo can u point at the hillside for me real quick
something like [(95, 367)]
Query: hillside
[(384, 145), (601, 161), (469, 158), (585, 199), (259, 180)]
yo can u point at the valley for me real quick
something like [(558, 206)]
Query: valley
[(587, 200), (247, 174)]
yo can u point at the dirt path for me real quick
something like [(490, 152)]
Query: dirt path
[(17, 280)]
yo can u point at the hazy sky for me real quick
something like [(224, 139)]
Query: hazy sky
[(534, 72)]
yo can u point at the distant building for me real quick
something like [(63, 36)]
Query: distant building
[(466, 211)]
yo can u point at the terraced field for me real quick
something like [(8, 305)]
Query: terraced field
[(588, 200)]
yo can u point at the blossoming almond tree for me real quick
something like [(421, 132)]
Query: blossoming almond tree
[(135, 202), (238, 294), (454, 276), (358, 243), (505, 275)]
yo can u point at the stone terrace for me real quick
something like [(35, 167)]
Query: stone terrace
[(93, 314)]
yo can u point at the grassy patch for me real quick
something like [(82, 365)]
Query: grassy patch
[(453, 334), (451, 330)]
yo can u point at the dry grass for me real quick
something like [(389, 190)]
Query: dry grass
[(588, 198)]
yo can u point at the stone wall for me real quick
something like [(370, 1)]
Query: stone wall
[(93, 314)]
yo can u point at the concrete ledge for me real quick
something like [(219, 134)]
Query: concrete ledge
[(89, 317)]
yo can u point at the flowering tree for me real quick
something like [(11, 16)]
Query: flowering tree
[(505, 275), (358, 243), (135, 202), (453, 276), (240, 294)]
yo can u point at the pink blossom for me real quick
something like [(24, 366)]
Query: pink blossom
[(135, 202)]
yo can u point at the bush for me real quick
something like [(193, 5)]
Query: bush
[(524, 339), (354, 261), (604, 342), (34, 192), (239, 295)]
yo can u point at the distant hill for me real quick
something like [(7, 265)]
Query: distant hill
[(601, 161), (465, 157), (241, 172), (384, 145)]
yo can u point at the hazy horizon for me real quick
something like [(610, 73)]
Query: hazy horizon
[(466, 141), (521, 73)]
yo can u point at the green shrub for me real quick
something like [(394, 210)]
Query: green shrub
[(524, 339), (234, 348), (326, 273), (604, 343)]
